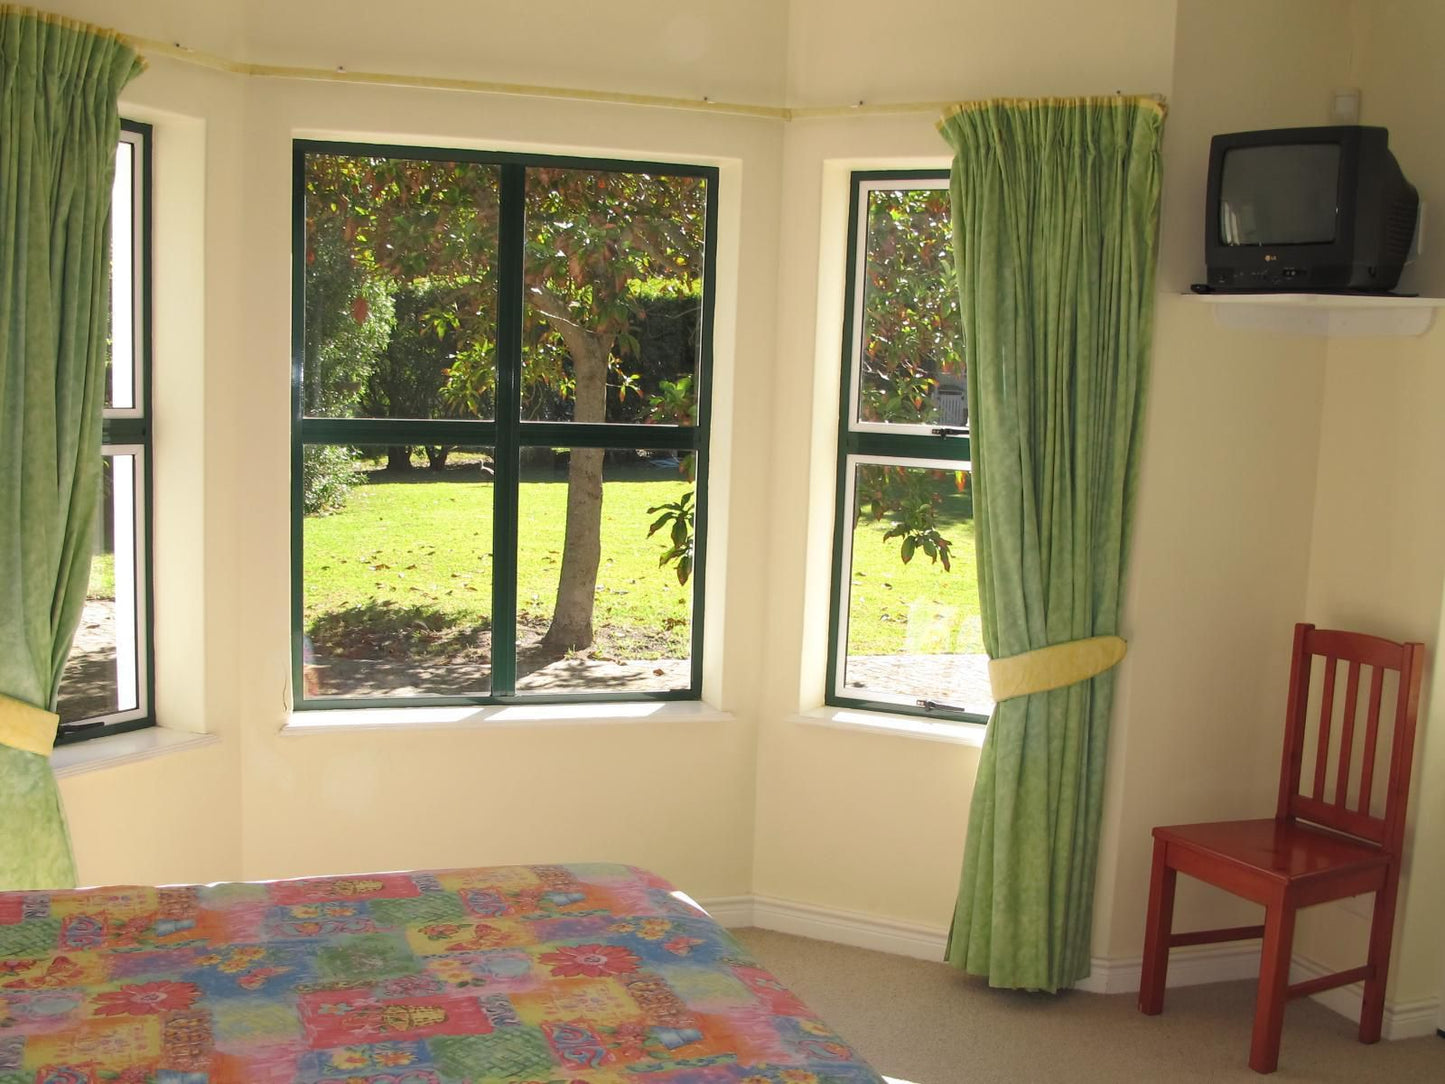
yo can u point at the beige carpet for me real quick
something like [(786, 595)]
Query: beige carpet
[(928, 1024)]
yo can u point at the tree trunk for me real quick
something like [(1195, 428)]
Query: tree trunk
[(436, 457), (398, 459), (571, 628)]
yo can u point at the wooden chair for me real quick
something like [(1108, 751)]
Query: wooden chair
[(1285, 863)]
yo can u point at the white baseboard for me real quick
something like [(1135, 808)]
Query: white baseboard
[(850, 928), (1403, 1020), (830, 924), (1192, 966), (732, 912), (1195, 965)]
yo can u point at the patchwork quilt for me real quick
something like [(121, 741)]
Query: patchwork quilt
[(583, 974)]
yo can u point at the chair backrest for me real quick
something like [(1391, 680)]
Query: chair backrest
[(1339, 791)]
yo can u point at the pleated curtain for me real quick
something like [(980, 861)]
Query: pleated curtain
[(1055, 218), (59, 83)]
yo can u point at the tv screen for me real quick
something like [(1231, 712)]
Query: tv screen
[(1285, 194)]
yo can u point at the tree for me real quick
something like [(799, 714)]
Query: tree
[(407, 378), (590, 234), (912, 332), (348, 322), (912, 340)]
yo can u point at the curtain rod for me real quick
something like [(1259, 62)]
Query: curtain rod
[(199, 58)]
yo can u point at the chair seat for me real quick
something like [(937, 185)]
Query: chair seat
[(1285, 850)]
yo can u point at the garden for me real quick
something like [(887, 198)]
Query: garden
[(400, 570)]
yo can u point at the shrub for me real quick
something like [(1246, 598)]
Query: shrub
[(327, 475)]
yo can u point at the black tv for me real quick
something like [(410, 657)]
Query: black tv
[(1307, 209)]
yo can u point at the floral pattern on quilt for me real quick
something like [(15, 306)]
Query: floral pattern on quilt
[(578, 974)]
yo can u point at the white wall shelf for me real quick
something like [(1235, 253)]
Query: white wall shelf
[(1335, 315)]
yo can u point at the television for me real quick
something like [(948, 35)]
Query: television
[(1323, 210)]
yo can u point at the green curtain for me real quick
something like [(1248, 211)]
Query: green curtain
[(59, 82), (1055, 219)]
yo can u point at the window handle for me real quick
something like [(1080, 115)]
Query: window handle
[(940, 705), (948, 431)]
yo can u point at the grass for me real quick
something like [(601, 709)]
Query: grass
[(102, 577), (916, 608), (405, 569)]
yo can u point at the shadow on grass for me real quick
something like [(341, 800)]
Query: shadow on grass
[(381, 649), (628, 469), (466, 471), (384, 630)]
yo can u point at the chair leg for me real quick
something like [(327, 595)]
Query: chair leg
[(1156, 934), (1382, 932), (1273, 984)]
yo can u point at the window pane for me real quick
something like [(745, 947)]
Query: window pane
[(102, 673), (910, 343), (401, 288), (120, 369), (601, 603), (397, 571), (613, 268), (913, 628)]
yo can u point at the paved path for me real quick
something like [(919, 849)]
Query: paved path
[(952, 679)]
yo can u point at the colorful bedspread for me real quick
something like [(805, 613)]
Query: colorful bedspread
[(583, 973)]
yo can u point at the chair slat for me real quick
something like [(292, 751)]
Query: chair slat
[(1347, 735), (1327, 711), (1372, 738)]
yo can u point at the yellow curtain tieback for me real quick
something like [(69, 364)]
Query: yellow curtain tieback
[(1053, 667), (27, 728)]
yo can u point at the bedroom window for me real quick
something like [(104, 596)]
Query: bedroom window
[(107, 684), (905, 630), (501, 367)]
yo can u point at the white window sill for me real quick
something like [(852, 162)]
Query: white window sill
[(906, 726), (113, 750), (495, 716)]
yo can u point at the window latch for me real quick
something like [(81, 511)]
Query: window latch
[(940, 705), (948, 431)]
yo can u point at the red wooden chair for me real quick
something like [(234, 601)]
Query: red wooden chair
[(1286, 863)]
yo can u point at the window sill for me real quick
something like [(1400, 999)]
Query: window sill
[(496, 716), (128, 748), (906, 726)]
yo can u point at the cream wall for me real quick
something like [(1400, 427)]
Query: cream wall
[(1241, 429), (365, 800), (726, 52), (1378, 560), (840, 52), (1226, 502), (866, 822), (178, 818)]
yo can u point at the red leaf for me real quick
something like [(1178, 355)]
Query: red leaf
[(360, 310)]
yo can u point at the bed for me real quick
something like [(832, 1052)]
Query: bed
[(544, 974)]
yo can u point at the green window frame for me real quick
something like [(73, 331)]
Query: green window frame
[(507, 434), (125, 523), (932, 445)]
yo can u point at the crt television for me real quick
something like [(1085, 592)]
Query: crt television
[(1307, 209)]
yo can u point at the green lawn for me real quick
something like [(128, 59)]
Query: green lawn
[(915, 608), (406, 569), (102, 577)]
